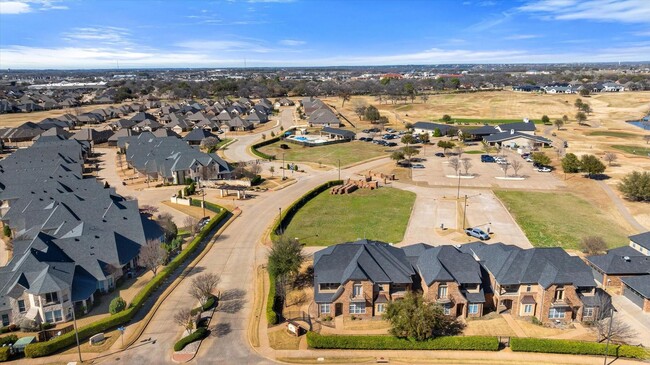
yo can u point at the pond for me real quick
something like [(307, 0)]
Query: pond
[(641, 124)]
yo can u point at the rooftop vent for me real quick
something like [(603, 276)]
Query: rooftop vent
[(512, 131), (626, 258)]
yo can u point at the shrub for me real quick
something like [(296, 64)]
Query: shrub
[(256, 180), (199, 334), (8, 339), (47, 325), (117, 305), (4, 354), (576, 348), (7, 231), (262, 144), (271, 316), (209, 303), (379, 342), (40, 349), (188, 180)]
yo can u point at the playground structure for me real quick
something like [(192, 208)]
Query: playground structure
[(350, 185)]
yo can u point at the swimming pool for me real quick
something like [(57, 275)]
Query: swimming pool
[(308, 139)]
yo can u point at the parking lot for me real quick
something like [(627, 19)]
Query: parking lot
[(485, 175)]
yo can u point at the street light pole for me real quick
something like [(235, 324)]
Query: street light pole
[(280, 220), (283, 166), (458, 192), (339, 169), (465, 211), (609, 334), (76, 333)]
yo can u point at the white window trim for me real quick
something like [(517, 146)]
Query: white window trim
[(325, 305), (358, 308), (470, 306)]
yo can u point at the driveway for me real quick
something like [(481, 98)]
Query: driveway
[(634, 317), (147, 196), (436, 206)]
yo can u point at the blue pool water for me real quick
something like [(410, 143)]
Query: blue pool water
[(298, 138), (641, 124)]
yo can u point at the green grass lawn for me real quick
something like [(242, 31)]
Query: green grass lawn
[(381, 214), (489, 121), (560, 219), (348, 153), (474, 152), (614, 134), (635, 150)]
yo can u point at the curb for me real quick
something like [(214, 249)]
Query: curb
[(145, 322)]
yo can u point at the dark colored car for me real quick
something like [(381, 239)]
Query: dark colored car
[(487, 158), (369, 139), (391, 144), (440, 154)]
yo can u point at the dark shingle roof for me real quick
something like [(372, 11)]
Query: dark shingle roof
[(641, 284), (642, 239), (615, 264), (444, 263), (340, 132), (512, 265)]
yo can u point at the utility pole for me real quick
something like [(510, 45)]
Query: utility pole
[(609, 334), (280, 221), (458, 192), (283, 166), (76, 333)]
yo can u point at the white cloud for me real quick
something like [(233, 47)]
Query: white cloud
[(98, 36), (291, 42), (14, 7), (523, 36), (212, 54), (28, 6), (625, 11)]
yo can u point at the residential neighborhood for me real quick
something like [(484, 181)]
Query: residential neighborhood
[(265, 182)]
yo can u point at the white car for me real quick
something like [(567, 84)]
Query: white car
[(528, 159), (544, 169), (501, 161)]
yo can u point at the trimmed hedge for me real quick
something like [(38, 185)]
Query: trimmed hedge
[(271, 316), (288, 213), (209, 206), (199, 334), (40, 349), (265, 142), (4, 354), (382, 342), (576, 348), (8, 339)]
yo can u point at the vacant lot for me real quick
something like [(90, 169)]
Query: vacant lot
[(380, 214), (560, 219), (348, 153)]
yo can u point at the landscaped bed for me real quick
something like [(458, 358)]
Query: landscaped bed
[(560, 219), (380, 214), (348, 153)]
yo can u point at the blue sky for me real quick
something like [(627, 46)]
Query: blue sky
[(231, 33)]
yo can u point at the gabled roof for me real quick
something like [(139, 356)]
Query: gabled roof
[(519, 127), (506, 136), (613, 263), (428, 126), (376, 261), (198, 134), (512, 265), (339, 132), (444, 263)]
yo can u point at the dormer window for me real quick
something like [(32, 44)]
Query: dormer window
[(559, 294)]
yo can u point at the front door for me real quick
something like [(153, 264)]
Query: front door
[(459, 309), (338, 309)]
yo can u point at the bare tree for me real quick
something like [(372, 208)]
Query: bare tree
[(646, 138), (505, 168), (454, 163), (272, 170), (184, 318), (516, 166), (620, 331), (148, 209), (202, 286), (152, 255), (610, 157), (424, 98), (192, 224), (255, 169), (467, 164), (209, 142), (458, 150), (593, 245)]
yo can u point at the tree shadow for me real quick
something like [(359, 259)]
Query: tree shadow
[(221, 330), (600, 177), (196, 270), (232, 294), (232, 306), (304, 279)]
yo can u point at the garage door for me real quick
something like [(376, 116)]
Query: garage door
[(635, 297)]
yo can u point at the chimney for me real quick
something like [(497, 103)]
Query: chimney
[(512, 131), (526, 120)]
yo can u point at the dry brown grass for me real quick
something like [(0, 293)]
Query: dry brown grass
[(15, 119), (365, 325), (281, 340), (496, 326)]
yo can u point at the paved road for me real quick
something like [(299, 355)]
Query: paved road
[(234, 257), (239, 151)]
